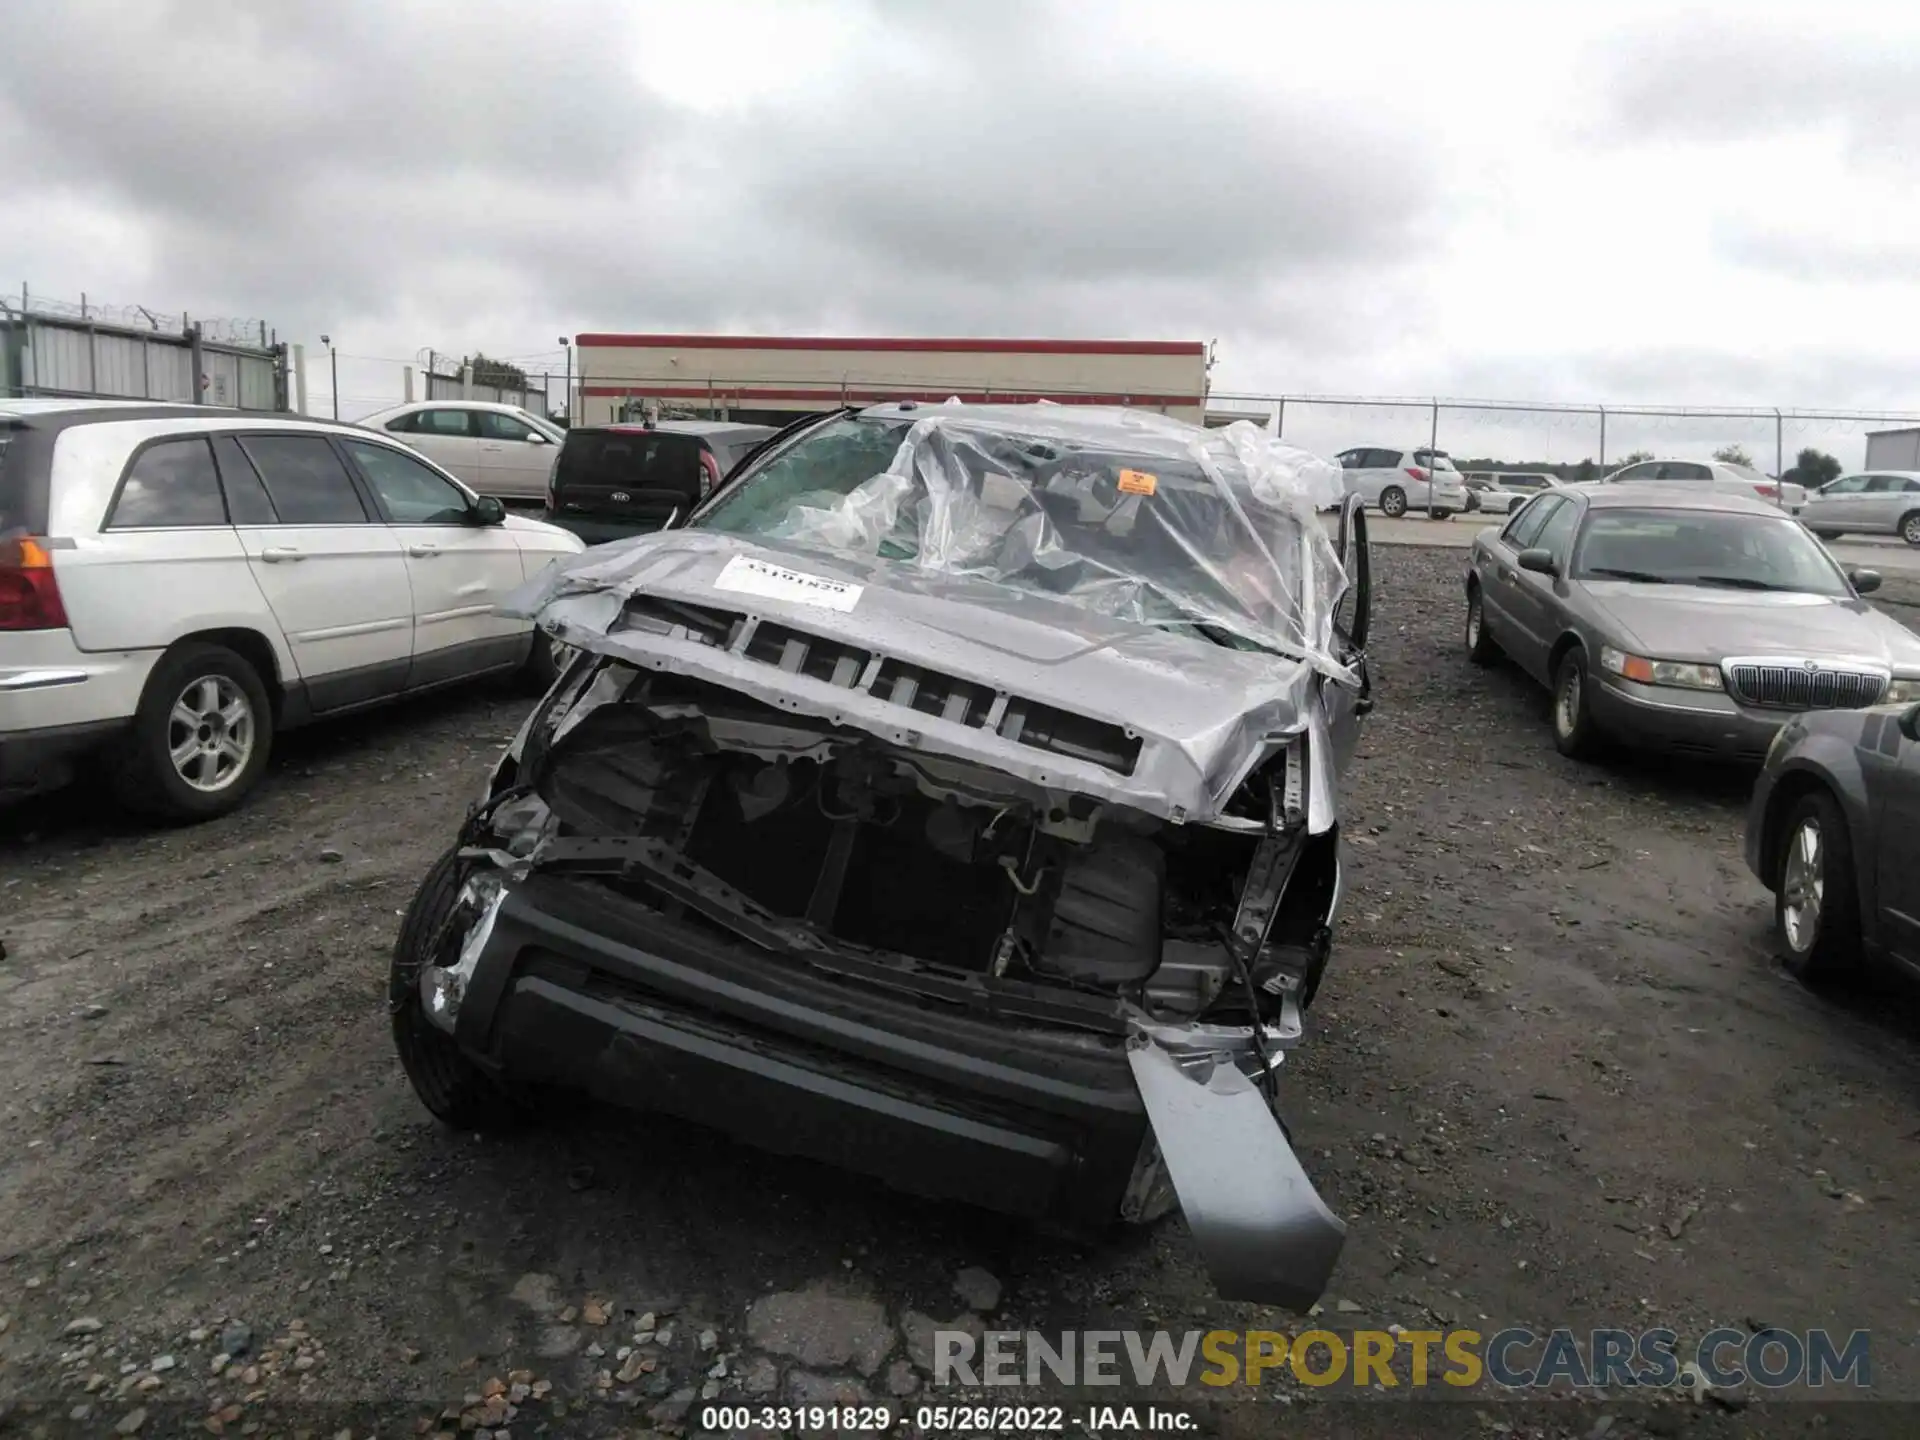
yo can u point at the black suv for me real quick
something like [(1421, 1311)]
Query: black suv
[(612, 481)]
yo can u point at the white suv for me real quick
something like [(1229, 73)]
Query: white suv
[(1396, 481), (178, 583)]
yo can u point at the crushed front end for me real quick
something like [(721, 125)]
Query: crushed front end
[(753, 866)]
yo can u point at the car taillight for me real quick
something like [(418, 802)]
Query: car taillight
[(1416, 472), (29, 596), (1767, 492), (709, 473)]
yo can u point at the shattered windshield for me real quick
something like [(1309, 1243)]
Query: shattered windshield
[(1128, 514)]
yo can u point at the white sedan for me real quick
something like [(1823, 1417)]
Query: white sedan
[(498, 450)]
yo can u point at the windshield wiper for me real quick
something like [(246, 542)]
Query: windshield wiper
[(1741, 582), (1643, 577)]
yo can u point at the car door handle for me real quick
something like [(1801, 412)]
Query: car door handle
[(274, 554), (423, 551)]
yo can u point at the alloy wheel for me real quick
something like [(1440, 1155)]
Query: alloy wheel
[(210, 733), (1910, 530), (1803, 886)]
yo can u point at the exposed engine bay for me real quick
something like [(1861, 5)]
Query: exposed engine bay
[(804, 830)]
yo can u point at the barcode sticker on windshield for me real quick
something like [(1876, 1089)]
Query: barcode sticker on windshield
[(1138, 482), (776, 582)]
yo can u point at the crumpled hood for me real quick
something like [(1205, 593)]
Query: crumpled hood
[(1204, 714), (1674, 622)]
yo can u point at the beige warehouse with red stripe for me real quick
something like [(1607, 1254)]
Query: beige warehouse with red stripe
[(772, 379)]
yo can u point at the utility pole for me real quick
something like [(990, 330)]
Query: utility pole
[(567, 345), (333, 372)]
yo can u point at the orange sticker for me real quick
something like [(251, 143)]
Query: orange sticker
[(1138, 482)]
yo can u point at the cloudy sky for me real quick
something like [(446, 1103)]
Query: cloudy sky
[(1607, 203)]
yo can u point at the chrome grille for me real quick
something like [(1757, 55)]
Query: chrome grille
[(1791, 685)]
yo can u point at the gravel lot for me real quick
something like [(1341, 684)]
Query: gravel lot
[(1554, 1078)]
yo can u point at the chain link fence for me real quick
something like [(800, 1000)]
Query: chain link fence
[(1573, 441)]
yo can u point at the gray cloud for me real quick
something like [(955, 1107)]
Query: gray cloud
[(1833, 252), (980, 172), (1698, 80)]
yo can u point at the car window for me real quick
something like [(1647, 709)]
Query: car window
[(495, 426), (400, 424), (1722, 549), (816, 470), (171, 483), (1556, 535), (411, 493), (1682, 470), (1846, 485), (247, 502), (1383, 460), (307, 482), (1643, 471), (1887, 485), (1437, 459), (1350, 459), (446, 423), (1524, 526)]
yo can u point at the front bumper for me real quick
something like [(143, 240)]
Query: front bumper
[(577, 987), (570, 983), (1683, 722)]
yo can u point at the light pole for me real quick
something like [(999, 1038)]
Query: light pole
[(333, 373), (567, 345)]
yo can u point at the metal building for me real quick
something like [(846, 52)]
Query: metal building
[(52, 349), (771, 379), (1893, 450)]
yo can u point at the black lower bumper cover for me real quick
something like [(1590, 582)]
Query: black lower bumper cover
[(580, 987)]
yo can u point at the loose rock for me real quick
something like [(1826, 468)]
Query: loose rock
[(977, 1289), (820, 1328), (85, 1325), (918, 1330)]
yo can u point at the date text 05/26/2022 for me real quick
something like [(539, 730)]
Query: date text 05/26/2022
[(947, 1419)]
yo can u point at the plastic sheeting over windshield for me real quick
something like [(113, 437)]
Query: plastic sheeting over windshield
[(1128, 514)]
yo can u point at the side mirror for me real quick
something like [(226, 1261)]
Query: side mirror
[(534, 437), (488, 511), (1865, 582), (1910, 722), (1540, 562)]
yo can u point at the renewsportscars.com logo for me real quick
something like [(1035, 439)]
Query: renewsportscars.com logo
[(1517, 1359)]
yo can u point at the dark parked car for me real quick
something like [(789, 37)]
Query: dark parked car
[(1834, 832), (1679, 619), (612, 481), (953, 799)]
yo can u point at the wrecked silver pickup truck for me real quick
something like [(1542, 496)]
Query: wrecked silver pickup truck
[(953, 798)]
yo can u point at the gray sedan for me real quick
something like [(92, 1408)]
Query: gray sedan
[(1886, 502), (1834, 832), (1679, 619)]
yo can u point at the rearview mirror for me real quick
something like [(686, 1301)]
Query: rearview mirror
[(488, 511), (1865, 582), (1541, 562)]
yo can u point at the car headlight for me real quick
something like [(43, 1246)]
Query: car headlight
[(1902, 690), (1682, 673)]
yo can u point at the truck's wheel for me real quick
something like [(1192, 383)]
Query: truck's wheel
[(448, 1083), (200, 737)]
